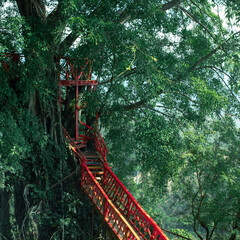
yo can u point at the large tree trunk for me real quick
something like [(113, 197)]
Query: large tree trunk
[(5, 226), (19, 205)]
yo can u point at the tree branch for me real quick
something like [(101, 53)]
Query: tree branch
[(72, 37), (195, 218), (229, 89), (220, 47), (179, 110), (190, 69), (63, 179), (198, 214), (211, 234), (126, 15), (184, 95), (201, 201), (164, 114), (178, 235), (30, 8), (68, 41), (123, 18), (194, 19), (215, 69), (55, 14), (171, 4), (203, 59), (134, 105), (40, 8), (132, 71)]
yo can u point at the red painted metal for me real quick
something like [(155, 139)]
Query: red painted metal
[(72, 143), (9, 58), (144, 226), (98, 141), (120, 210), (143, 223), (75, 73), (117, 222), (68, 83), (75, 69)]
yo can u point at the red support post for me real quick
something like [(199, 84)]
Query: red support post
[(76, 115), (73, 74), (120, 210)]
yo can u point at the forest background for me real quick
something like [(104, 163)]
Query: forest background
[(168, 103)]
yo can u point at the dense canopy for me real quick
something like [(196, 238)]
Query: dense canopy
[(168, 104)]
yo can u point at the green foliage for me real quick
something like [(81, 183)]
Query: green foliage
[(13, 150), (161, 73), (205, 185), (183, 233)]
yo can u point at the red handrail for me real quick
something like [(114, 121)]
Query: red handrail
[(127, 204), (11, 57), (101, 142), (114, 191), (70, 68), (98, 141), (120, 210), (111, 214), (72, 144)]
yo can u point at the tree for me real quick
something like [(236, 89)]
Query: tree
[(205, 186), (158, 63)]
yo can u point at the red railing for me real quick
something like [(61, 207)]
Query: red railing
[(98, 141), (75, 69), (10, 58), (81, 158), (112, 216), (120, 210), (122, 198), (115, 192), (100, 144)]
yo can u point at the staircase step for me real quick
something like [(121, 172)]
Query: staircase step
[(94, 163), (93, 160), (99, 171), (98, 177), (81, 145), (92, 156), (95, 167)]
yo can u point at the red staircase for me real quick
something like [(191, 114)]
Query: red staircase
[(121, 212), (123, 215)]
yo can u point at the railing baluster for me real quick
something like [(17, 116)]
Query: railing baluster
[(117, 192), (136, 215), (111, 215)]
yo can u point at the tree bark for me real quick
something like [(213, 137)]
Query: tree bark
[(171, 4), (5, 226), (19, 204), (30, 8)]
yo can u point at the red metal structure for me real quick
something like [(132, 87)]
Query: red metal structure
[(11, 59), (75, 73), (125, 218), (122, 213)]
